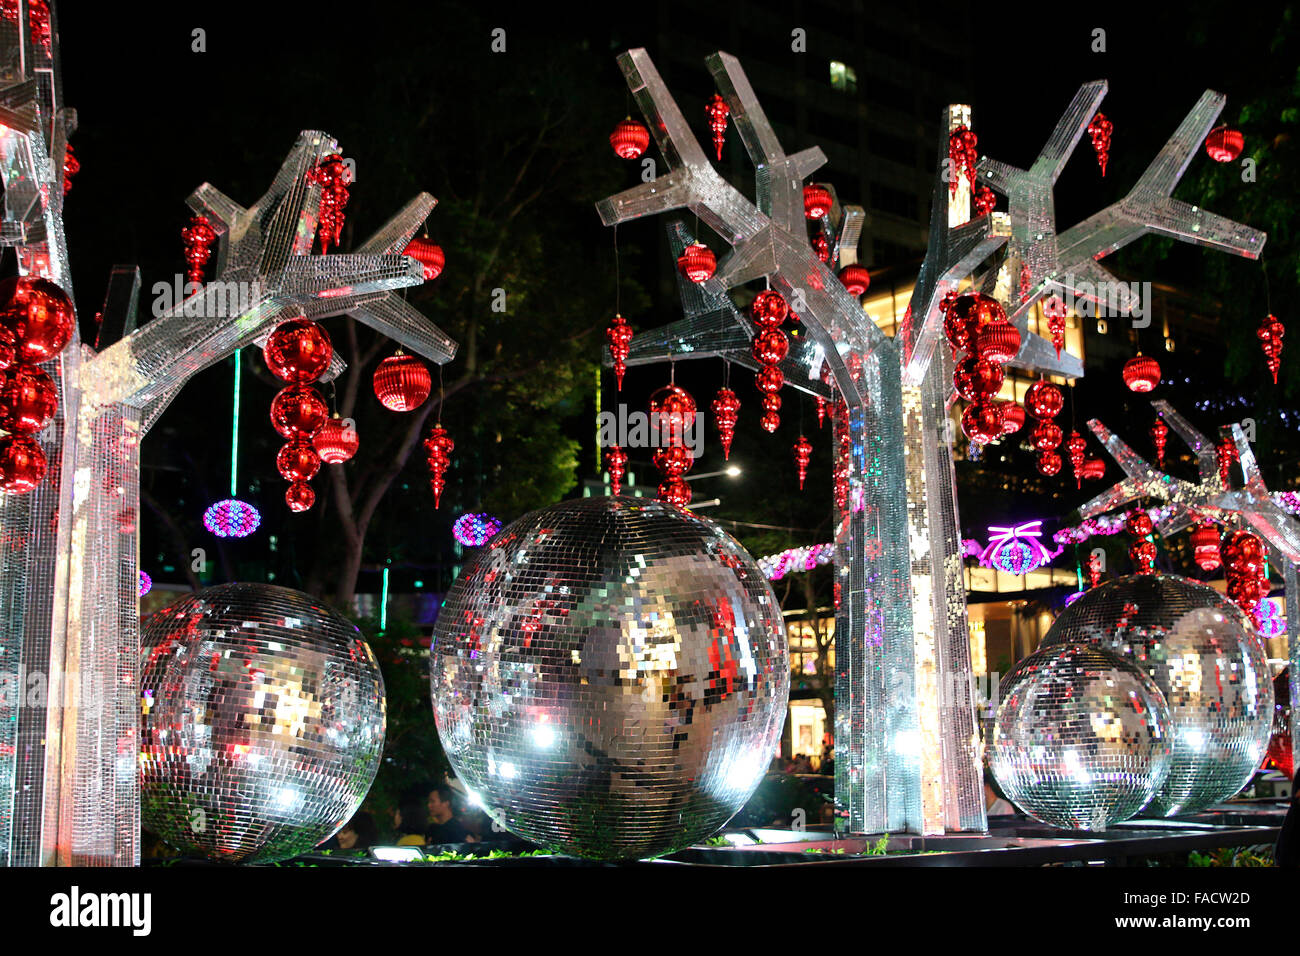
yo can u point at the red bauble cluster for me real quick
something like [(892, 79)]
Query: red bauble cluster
[(802, 454), (1270, 334), (1245, 563), (439, 447), (962, 156), (769, 348), (1044, 402), (335, 441), (1205, 547), (1226, 454), (619, 335), (717, 112), (1160, 438), (332, 177), (726, 407), (817, 201), (198, 237), (36, 324), (697, 262), (629, 139), (1224, 144), (1142, 551), (1093, 564), (402, 382), (672, 414), (1141, 373), (977, 325), (984, 201), (1100, 129), (428, 254), (298, 352), (616, 464)]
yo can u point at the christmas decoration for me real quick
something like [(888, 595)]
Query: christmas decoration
[(1017, 550), (802, 453), (1082, 738), (299, 496), (1013, 417), (672, 410), (1100, 130), (335, 441), (1203, 654), (298, 351), (629, 139), (297, 461), (22, 464), (718, 111), (1044, 401), (1075, 446), (71, 167), (28, 400), (962, 157), (1205, 547), (1141, 373), (726, 407), (716, 658), (428, 254), (619, 334), (298, 411), (616, 464), (1054, 309), (1224, 144), (332, 178), (697, 262), (817, 201), (1094, 569), (1049, 463), (146, 585), (231, 518), (1244, 560), (263, 715), (821, 247), (821, 412), (402, 382), (439, 447), (770, 345), (984, 201), (198, 238), (1225, 453), (475, 529), (998, 342), (40, 316), (1281, 755), (1159, 438), (981, 422), (1093, 468), (856, 279), (1142, 552), (1270, 333)]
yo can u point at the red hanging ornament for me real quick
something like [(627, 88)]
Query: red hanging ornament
[(675, 491), (769, 309), (718, 111), (1044, 400), (1205, 547), (821, 247), (998, 342), (28, 400), (1226, 453), (1270, 333), (298, 351), (22, 464), (802, 454), (977, 378), (1094, 468), (70, 167), (770, 346), (1142, 551), (817, 201), (984, 201), (672, 411), (428, 254), (1046, 435), (1100, 130), (39, 314), (332, 177), (673, 461), (299, 496), (198, 238), (1049, 464), (402, 382), (1224, 144), (616, 465), (619, 336), (1141, 373), (629, 139), (1246, 563), (8, 346), (697, 262), (298, 411), (439, 447), (1093, 565), (957, 329), (1013, 417), (1159, 438), (981, 422), (769, 379), (856, 279), (298, 461), (335, 441), (821, 412), (1075, 446), (962, 157), (771, 402), (1054, 309), (769, 421), (726, 407)]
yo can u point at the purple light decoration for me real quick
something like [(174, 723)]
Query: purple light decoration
[(793, 560), (1070, 599), (1269, 619), (146, 583), (1016, 550), (474, 529), (1105, 525), (232, 518)]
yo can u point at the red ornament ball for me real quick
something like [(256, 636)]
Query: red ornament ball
[(1013, 418), (697, 262), (297, 461), (629, 139), (28, 400), (1046, 436), (1139, 524), (1049, 464), (335, 441), (770, 346), (769, 309), (769, 378), (1224, 144), (402, 383), (981, 422), (856, 279), (428, 254), (771, 402), (998, 341), (1243, 552), (8, 347), (770, 421), (299, 496), (298, 411), (816, 201), (673, 461), (976, 378), (22, 464), (39, 314), (1205, 547), (1141, 373), (1094, 468), (977, 310), (1044, 400), (298, 351)]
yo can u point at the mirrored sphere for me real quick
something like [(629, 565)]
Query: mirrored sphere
[(1205, 656), (610, 677), (263, 722), (1082, 737)]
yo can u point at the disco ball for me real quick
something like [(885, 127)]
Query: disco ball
[(1082, 737), (610, 677), (263, 722), (1204, 655)]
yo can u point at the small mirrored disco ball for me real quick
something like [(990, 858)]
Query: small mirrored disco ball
[(263, 722), (610, 677), (1082, 737), (1205, 656)]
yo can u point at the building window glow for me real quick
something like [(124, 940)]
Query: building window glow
[(843, 78)]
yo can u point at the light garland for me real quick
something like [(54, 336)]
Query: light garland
[(793, 560), (1105, 525), (1016, 549), (232, 518), (474, 529)]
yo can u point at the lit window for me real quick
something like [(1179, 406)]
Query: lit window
[(843, 77)]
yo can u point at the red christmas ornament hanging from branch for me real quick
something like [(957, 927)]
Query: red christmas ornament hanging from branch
[(616, 465), (802, 454), (1142, 551), (672, 414), (1100, 130), (770, 346), (1246, 566), (1159, 438), (1054, 310), (439, 447), (629, 139), (1093, 564), (1075, 446), (332, 177), (1270, 333), (1226, 454), (985, 201), (697, 262), (198, 237), (428, 254), (726, 407), (717, 112), (1205, 547), (1141, 373), (619, 335), (402, 382)]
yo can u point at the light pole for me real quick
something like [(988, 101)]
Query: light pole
[(732, 471)]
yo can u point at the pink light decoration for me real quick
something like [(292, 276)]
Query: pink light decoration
[(1105, 525), (474, 529), (146, 584), (232, 518), (1016, 549)]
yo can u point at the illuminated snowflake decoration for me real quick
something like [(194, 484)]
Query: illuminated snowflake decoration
[(474, 529), (232, 518), (1017, 550)]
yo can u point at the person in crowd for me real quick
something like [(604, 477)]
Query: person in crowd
[(443, 827), (409, 820), (359, 833)]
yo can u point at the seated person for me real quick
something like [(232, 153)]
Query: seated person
[(409, 821), (443, 827)]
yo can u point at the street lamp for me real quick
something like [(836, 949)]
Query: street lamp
[(731, 471)]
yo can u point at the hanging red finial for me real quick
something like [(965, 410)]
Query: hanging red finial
[(1100, 129), (821, 412), (672, 414), (619, 335), (718, 112), (332, 177), (1270, 334), (1054, 309), (725, 408), (439, 446), (1226, 453), (802, 454), (1159, 437), (198, 237), (1094, 569), (1076, 445), (616, 464)]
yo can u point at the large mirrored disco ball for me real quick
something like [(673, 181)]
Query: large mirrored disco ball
[(1082, 738), (1205, 656), (610, 677), (263, 722)]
